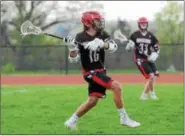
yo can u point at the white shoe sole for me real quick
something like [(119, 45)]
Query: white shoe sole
[(70, 126), (131, 126)]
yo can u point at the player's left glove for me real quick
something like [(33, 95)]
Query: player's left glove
[(153, 57), (95, 44)]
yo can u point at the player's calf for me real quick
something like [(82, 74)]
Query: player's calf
[(148, 85), (84, 108), (124, 118), (91, 102), (152, 92), (116, 89)]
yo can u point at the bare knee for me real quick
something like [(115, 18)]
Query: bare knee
[(92, 101), (116, 86), (151, 77)]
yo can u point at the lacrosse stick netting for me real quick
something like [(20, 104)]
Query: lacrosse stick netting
[(118, 35), (28, 28)]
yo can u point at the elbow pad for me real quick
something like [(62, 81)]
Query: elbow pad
[(156, 48), (74, 59), (73, 56), (112, 45)]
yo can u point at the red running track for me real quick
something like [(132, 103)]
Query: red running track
[(78, 79)]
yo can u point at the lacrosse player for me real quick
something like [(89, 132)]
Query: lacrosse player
[(95, 41), (146, 53)]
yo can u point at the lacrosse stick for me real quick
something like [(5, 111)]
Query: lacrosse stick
[(27, 28), (119, 36)]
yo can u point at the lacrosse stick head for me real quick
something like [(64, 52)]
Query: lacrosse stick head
[(119, 36), (28, 28)]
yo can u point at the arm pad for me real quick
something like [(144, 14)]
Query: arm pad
[(112, 45)]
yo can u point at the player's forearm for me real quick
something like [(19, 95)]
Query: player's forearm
[(156, 48)]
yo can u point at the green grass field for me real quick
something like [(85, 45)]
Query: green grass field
[(43, 110)]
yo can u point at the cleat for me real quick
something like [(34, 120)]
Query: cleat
[(71, 125), (130, 123), (154, 97), (143, 97)]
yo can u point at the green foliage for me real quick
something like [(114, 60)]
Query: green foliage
[(8, 68), (169, 23)]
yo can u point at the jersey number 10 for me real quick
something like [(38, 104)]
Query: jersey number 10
[(94, 56)]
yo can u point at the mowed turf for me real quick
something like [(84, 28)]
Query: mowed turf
[(43, 110)]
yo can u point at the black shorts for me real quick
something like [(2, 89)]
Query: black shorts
[(98, 83), (146, 67)]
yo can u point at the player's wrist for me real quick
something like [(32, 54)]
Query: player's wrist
[(106, 45)]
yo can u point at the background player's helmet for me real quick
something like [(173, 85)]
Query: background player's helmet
[(93, 19), (143, 23)]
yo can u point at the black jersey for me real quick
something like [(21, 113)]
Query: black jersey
[(144, 44), (91, 60)]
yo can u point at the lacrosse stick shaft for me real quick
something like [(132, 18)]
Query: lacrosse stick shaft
[(58, 37), (54, 36)]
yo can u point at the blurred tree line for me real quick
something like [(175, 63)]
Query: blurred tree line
[(168, 27), (44, 14), (168, 24)]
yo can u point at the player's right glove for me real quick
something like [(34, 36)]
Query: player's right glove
[(70, 41), (153, 57), (94, 44), (130, 45)]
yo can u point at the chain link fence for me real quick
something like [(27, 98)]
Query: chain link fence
[(55, 59)]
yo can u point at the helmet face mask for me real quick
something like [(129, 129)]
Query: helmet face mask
[(98, 24), (143, 24)]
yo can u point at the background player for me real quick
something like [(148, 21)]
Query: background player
[(146, 52), (92, 55)]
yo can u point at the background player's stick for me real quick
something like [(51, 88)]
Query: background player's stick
[(119, 36), (27, 28), (122, 38)]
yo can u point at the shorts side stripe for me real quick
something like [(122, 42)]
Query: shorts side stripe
[(143, 71), (100, 82)]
